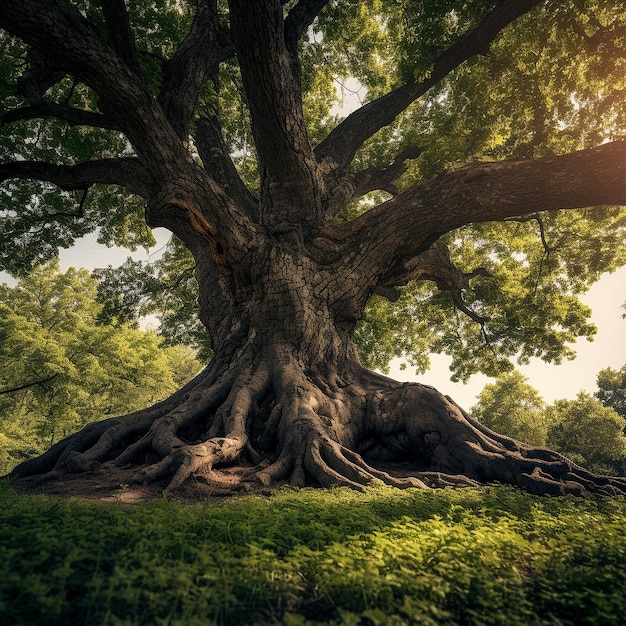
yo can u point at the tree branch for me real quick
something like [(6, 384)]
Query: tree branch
[(120, 33), (34, 82), (71, 115), (290, 179), (126, 172), (434, 264), (60, 33), (299, 19), (216, 159), (194, 63), (70, 42), (400, 229), (384, 178), (41, 382), (343, 142)]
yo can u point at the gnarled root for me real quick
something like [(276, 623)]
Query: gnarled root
[(289, 425)]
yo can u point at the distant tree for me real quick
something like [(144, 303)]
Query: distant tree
[(166, 288), (514, 408), (484, 175), (612, 389), (588, 432), (60, 369)]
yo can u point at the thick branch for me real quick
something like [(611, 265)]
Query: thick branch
[(65, 38), (35, 81), (120, 33), (216, 159), (194, 63), (127, 172), (407, 224), (373, 179), (343, 142), (289, 174), (71, 115)]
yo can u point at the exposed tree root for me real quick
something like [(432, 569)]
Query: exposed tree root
[(349, 430)]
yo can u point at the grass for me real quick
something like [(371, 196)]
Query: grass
[(486, 556)]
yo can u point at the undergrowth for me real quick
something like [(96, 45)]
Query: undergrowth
[(486, 556)]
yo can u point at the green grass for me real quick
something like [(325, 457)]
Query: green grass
[(488, 556)]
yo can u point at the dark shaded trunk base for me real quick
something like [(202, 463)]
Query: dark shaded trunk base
[(265, 422)]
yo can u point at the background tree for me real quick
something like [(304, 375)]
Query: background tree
[(514, 408), (166, 288), (612, 389), (588, 432), (60, 370), (213, 120)]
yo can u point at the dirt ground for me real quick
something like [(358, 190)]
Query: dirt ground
[(108, 485)]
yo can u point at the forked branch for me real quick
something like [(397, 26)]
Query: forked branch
[(436, 265), (384, 178), (343, 142)]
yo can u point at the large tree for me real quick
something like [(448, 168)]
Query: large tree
[(214, 116)]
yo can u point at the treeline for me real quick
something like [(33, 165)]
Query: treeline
[(589, 429), (64, 363)]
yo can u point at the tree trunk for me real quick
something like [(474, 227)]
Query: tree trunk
[(281, 283), (286, 397)]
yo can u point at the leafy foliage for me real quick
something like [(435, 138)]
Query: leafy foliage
[(166, 288), (538, 91), (612, 389), (60, 369), (513, 407), (585, 429), (489, 556), (551, 83)]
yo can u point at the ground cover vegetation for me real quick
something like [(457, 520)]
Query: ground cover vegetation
[(463, 208), (494, 555)]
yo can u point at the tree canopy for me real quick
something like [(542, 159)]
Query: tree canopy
[(585, 429), (612, 389), (513, 407), (479, 188)]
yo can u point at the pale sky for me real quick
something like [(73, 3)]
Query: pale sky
[(553, 382), (608, 349)]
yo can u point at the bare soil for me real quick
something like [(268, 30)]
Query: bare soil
[(109, 486)]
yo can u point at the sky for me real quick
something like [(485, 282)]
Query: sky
[(606, 299)]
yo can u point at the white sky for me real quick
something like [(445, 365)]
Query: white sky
[(553, 382)]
